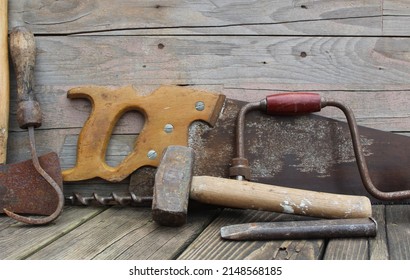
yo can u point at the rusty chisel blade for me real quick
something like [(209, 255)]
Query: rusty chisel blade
[(311, 229)]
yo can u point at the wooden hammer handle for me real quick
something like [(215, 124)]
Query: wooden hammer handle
[(249, 195), (23, 54), (4, 82)]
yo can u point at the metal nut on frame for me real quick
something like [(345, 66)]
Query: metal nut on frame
[(240, 169)]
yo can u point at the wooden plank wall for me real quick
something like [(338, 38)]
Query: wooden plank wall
[(357, 51)]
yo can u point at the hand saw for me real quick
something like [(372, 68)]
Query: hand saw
[(304, 151)]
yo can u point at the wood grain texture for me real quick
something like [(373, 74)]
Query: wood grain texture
[(309, 63), (18, 241), (398, 231), (210, 246), (167, 106), (396, 17), (201, 17), (378, 246), (369, 74), (250, 195), (4, 81), (347, 249), (125, 233)]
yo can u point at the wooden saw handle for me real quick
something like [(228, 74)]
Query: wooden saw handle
[(168, 112), (248, 195), (4, 82)]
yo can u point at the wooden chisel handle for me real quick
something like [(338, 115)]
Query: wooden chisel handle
[(249, 195), (4, 82), (23, 54)]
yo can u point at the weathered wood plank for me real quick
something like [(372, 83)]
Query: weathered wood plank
[(201, 17), (361, 248), (398, 231), (125, 233), (321, 63), (378, 248), (18, 241), (347, 249), (396, 17), (396, 8), (396, 25), (209, 245), (370, 74)]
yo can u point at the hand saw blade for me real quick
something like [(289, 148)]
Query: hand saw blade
[(306, 152)]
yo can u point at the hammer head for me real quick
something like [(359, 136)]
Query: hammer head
[(172, 186)]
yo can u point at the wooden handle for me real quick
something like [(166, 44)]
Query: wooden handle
[(23, 53), (293, 103), (4, 82), (248, 195), (168, 112)]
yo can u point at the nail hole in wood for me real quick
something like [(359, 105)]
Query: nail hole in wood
[(160, 46), (303, 54)]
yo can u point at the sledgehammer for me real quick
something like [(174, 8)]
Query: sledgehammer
[(175, 185)]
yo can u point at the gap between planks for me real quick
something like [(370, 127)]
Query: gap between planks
[(19, 241), (125, 233)]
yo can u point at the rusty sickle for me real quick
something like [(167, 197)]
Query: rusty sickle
[(22, 50)]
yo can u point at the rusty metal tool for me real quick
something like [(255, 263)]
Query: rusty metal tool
[(174, 185), (339, 228), (291, 104), (306, 151), (34, 186)]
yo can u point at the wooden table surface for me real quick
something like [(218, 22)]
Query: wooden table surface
[(355, 51)]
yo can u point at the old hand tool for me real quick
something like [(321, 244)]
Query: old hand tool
[(339, 228), (174, 185), (305, 151), (303, 103), (28, 187), (168, 111)]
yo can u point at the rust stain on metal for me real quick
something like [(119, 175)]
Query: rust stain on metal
[(23, 191)]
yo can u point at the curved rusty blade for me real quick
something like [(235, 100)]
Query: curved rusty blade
[(23, 190)]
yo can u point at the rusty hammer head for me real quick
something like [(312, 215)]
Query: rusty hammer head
[(172, 186)]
